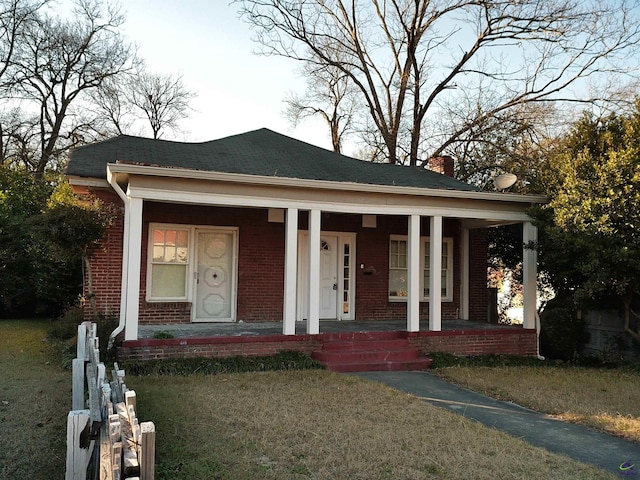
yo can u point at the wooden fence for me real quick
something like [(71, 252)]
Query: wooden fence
[(104, 438)]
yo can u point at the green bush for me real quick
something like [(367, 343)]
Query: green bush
[(65, 327), (443, 360), (287, 360), (64, 330), (562, 335), (163, 335)]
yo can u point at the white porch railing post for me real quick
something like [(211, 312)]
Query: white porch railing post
[(529, 274), (413, 274), (290, 272), (133, 264), (313, 316), (435, 274)]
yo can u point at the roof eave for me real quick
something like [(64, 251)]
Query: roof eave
[(147, 170), (87, 181)]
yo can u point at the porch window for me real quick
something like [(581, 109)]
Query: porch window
[(169, 262), (398, 269)]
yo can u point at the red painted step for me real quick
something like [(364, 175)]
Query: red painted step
[(361, 353), (393, 344), (362, 336)]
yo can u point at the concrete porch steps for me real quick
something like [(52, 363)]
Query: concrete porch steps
[(367, 352)]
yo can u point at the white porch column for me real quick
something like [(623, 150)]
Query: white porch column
[(413, 274), (313, 315), (464, 274), (290, 272), (529, 274), (133, 269), (435, 274), (124, 279)]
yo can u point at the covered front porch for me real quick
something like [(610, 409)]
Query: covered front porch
[(387, 241)]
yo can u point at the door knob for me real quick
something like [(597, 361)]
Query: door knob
[(335, 286)]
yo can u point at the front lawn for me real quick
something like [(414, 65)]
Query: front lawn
[(268, 425), (323, 425), (605, 399), (35, 398)]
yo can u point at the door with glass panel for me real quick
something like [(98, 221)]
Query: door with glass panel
[(328, 277), (215, 288), (335, 280)]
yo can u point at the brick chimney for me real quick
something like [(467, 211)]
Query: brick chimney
[(443, 165)]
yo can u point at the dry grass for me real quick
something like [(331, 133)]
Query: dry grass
[(603, 399), (276, 425), (35, 398), (322, 425)]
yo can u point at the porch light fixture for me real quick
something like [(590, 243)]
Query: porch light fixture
[(504, 180)]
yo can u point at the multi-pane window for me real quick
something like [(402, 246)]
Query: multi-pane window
[(444, 276), (169, 263), (398, 268)]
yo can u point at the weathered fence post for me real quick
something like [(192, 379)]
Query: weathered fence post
[(123, 443), (147, 450), (79, 444)]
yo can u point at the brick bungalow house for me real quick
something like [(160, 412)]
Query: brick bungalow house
[(260, 227)]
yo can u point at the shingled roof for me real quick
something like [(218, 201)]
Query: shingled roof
[(260, 152)]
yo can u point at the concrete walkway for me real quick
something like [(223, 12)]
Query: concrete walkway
[(575, 441)]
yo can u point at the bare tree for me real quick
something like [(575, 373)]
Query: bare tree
[(162, 99), (410, 59), (57, 64), (329, 95), (14, 16), (113, 114)]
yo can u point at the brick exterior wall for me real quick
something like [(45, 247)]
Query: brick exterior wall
[(478, 271), (513, 341), (217, 347), (106, 264), (261, 263), (260, 260)]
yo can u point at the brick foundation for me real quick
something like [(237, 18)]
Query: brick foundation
[(515, 341), (216, 347)]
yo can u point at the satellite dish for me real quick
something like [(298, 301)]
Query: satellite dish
[(504, 180)]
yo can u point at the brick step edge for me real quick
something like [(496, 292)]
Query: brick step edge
[(416, 365), (363, 336), (343, 356), (391, 344)]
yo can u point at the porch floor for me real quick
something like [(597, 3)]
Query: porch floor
[(202, 330)]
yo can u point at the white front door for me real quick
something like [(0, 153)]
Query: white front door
[(328, 277), (329, 281), (215, 276)]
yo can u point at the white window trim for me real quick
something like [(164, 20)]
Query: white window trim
[(448, 244), (189, 265)]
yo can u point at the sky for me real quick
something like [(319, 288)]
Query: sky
[(206, 43)]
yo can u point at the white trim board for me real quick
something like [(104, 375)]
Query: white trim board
[(201, 198)]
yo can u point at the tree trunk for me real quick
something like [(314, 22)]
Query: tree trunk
[(90, 292), (627, 318)]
